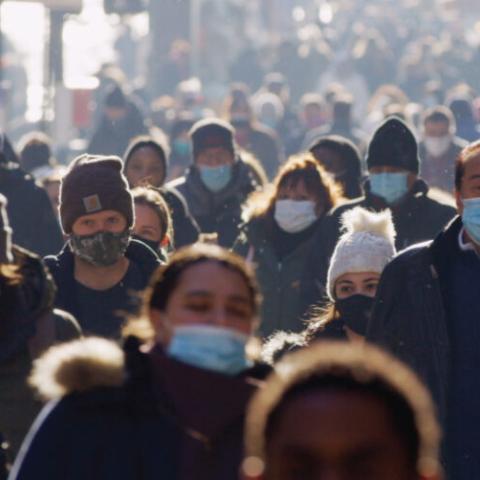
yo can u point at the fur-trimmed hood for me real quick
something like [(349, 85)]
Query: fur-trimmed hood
[(78, 366)]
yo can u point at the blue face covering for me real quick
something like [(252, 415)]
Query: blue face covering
[(471, 218), (212, 348), (216, 178), (181, 147), (390, 186)]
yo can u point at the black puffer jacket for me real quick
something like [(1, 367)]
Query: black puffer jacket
[(218, 212)]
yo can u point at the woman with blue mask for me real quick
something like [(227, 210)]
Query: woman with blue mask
[(219, 180), (281, 233), (172, 404)]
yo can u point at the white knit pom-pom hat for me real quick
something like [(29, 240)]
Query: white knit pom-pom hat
[(367, 245)]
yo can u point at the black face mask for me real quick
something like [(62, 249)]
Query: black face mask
[(355, 312), (155, 246)]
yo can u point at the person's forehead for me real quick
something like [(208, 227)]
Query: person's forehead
[(146, 153), (333, 423), (472, 166), (216, 150)]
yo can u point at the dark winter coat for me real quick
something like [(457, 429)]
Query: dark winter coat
[(288, 285), (62, 269), (113, 137), (138, 429), (218, 212), (32, 326), (30, 212), (409, 317), (418, 218)]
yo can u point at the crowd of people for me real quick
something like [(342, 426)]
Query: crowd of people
[(278, 285)]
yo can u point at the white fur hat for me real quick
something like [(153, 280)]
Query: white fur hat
[(367, 245)]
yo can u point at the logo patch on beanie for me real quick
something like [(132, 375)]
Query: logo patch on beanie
[(92, 203)]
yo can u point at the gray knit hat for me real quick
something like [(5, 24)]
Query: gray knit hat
[(93, 184)]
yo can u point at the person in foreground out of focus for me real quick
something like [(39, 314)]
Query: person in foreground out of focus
[(218, 182), (278, 238), (153, 224), (343, 412), (29, 325), (427, 313), (170, 408), (366, 246), (100, 266), (145, 163)]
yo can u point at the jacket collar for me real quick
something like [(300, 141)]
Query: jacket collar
[(445, 245)]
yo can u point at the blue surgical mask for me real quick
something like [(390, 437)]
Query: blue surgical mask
[(216, 178), (212, 348), (471, 218), (390, 186), (181, 147)]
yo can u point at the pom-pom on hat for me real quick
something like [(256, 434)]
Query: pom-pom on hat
[(394, 145), (367, 245), (93, 184)]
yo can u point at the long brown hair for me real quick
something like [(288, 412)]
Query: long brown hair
[(298, 168)]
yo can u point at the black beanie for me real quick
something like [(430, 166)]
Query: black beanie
[(115, 97), (394, 145), (208, 133), (93, 184)]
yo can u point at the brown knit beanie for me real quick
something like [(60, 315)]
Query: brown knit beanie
[(93, 184)]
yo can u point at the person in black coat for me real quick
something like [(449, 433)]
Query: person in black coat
[(393, 182), (171, 406), (100, 267), (31, 217), (427, 312), (121, 121), (145, 163), (218, 183)]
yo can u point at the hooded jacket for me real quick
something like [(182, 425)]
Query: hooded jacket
[(127, 415), (221, 211)]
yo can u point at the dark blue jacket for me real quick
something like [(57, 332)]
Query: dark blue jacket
[(409, 317), (136, 430), (62, 269)]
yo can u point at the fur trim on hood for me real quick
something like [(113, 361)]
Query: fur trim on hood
[(78, 366)]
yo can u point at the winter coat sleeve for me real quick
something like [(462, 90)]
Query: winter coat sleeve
[(43, 453)]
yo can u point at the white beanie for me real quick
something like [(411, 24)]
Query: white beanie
[(366, 246)]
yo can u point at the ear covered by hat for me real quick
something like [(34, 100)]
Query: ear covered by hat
[(367, 245), (393, 144), (93, 184)]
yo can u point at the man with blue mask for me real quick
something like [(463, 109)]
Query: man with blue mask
[(427, 312), (218, 182), (393, 182)]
